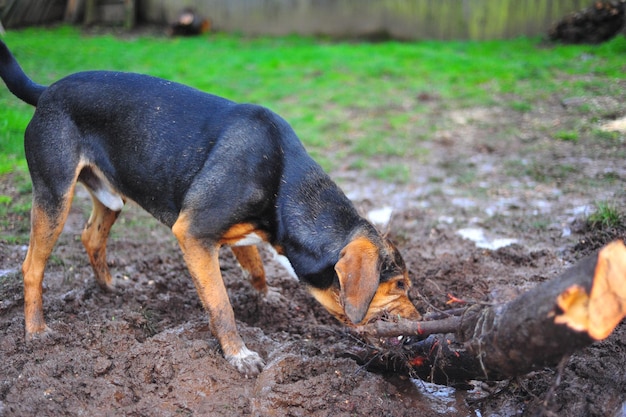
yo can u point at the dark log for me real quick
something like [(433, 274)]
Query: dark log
[(595, 24), (534, 331)]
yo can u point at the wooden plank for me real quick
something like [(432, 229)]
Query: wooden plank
[(17, 13)]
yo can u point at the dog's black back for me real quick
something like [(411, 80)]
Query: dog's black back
[(170, 147), (142, 132)]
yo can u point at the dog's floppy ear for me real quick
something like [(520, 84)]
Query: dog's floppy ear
[(358, 272)]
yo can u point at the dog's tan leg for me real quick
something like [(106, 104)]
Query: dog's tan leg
[(203, 263), (46, 226), (250, 261), (94, 239)]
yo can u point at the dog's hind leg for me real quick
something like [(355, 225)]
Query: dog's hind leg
[(94, 238), (250, 261), (107, 204), (48, 215)]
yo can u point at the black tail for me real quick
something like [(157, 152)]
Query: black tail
[(19, 84)]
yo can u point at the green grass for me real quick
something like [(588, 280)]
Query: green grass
[(539, 171), (393, 173), (606, 216), (14, 217), (567, 135), (342, 98)]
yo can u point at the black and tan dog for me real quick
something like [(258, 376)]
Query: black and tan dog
[(216, 172)]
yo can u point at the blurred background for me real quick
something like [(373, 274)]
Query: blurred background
[(373, 19)]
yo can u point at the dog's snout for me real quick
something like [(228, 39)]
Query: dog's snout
[(404, 308)]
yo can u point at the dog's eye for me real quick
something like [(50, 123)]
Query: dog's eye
[(400, 285)]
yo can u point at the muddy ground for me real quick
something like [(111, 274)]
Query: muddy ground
[(497, 204)]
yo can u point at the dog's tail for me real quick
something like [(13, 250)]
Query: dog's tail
[(14, 77)]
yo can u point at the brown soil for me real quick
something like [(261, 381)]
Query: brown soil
[(147, 350)]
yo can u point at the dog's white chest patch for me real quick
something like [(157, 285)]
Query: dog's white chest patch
[(254, 239), (282, 259), (250, 239), (110, 199)]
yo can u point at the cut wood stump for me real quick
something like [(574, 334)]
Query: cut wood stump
[(536, 330)]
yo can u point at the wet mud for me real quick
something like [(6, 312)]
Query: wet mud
[(146, 349)]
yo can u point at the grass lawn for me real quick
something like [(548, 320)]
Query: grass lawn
[(344, 99)]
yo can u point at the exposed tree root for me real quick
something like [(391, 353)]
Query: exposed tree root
[(536, 330)]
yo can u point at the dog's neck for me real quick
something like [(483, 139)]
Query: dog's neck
[(312, 235)]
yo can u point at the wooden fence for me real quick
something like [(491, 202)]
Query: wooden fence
[(399, 19), (30, 12)]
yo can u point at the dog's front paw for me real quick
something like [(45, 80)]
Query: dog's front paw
[(108, 286), (247, 362), (274, 297), (44, 334)]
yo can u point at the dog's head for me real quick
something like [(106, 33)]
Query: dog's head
[(373, 281)]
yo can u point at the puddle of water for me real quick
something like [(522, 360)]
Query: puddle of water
[(463, 202), (5, 272), (380, 216), (541, 207), (444, 400), (445, 219), (481, 240), (502, 206), (393, 195), (580, 210)]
